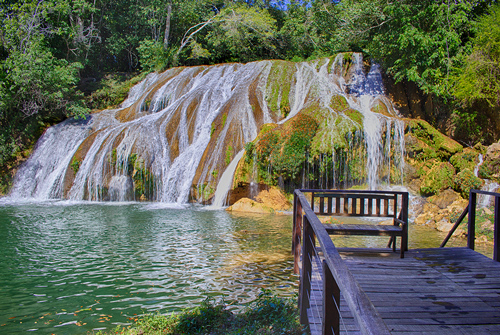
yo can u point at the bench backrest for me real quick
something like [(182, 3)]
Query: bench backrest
[(357, 203)]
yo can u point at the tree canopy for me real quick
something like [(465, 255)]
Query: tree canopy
[(52, 52)]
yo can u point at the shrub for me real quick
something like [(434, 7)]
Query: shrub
[(465, 181), (438, 178)]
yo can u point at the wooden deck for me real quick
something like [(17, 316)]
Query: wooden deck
[(430, 291)]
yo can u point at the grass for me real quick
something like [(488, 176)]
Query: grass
[(269, 314)]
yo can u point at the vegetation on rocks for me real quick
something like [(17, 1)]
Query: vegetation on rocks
[(438, 178)]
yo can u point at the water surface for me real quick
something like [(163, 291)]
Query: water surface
[(68, 268)]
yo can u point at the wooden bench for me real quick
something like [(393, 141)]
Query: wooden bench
[(365, 204)]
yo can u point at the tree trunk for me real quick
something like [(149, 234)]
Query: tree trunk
[(167, 25)]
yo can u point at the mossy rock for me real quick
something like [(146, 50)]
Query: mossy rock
[(444, 146), (438, 178), (332, 134), (466, 159), (339, 103), (464, 181), (418, 149)]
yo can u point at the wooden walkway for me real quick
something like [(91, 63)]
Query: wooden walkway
[(430, 291)]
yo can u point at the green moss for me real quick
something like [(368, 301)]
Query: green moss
[(355, 116), (229, 154), (215, 173), (339, 103), (278, 87), (75, 165), (438, 178), (224, 119), (465, 181), (212, 129), (444, 146)]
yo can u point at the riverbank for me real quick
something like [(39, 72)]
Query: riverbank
[(268, 314)]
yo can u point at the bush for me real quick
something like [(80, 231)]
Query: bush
[(269, 314), (465, 181), (438, 178)]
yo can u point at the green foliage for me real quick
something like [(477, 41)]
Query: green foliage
[(464, 181), (153, 56), (438, 178), (113, 90), (465, 160), (478, 77), (245, 33), (283, 150), (269, 314), (75, 165), (249, 152)]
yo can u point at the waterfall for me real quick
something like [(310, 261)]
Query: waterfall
[(476, 168), (225, 182), (177, 131)]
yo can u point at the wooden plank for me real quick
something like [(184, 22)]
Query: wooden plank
[(422, 294)]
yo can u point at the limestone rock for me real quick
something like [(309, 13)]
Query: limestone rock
[(249, 205), (444, 225), (274, 198), (445, 198)]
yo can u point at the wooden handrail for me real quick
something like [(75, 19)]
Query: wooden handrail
[(365, 314), (471, 222)]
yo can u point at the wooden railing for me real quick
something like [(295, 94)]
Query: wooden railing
[(336, 276), (471, 222)]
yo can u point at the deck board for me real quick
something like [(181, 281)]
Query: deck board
[(430, 291)]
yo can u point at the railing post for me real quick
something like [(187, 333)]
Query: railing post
[(297, 231), (471, 224), (331, 303), (305, 281), (496, 230)]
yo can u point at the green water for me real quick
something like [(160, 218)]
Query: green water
[(72, 268)]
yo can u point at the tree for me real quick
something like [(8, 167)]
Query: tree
[(242, 33), (477, 81), (478, 76)]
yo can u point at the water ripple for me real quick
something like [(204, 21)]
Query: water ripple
[(78, 267)]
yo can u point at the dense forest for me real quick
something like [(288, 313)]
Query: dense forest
[(64, 58)]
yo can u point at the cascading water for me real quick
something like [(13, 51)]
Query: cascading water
[(178, 131), (489, 186), (225, 182)]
